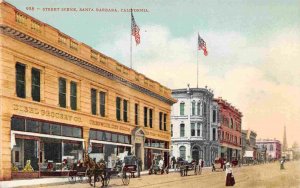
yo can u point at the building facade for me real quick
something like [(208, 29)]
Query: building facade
[(230, 136), (193, 135), (249, 148), (60, 97), (273, 148)]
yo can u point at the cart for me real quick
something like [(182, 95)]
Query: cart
[(157, 168)]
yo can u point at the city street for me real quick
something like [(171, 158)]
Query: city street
[(263, 176)]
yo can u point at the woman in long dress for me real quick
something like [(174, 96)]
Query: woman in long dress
[(229, 176)]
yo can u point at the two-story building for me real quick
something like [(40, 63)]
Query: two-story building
[(193, 136), (273, 148), (60, 97), (249, 148)]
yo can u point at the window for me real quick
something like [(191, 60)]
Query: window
[(145, 116), (193, 108), (136, 114), (193, 132), (199, 127), (125, 111), (198, 108), (231, 123), (73, 95), (20, 80), (204, 108), (182, 109), (55, 129), (35, 84), (182, 152), (118, 108), (214, 116), (150, 117), (181, 130), (171, 130), (271, 147), (18, 124), (160, 120), (94, 101), (214, 134), (165, 122), (32, 126), (102, 104), (62, 92)]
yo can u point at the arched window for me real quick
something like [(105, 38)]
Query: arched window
[(231, 123), (182, 151), (182, 108), (193, 108)]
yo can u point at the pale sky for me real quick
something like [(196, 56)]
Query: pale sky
[(253, 49)]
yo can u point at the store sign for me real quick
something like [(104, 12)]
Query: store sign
[(46, 113), (109, 126), (160, 135)]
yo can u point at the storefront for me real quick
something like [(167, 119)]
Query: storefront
[(109, 146), (153, 149), (50, 147)]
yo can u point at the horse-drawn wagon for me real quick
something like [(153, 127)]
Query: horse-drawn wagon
[(158, 166)]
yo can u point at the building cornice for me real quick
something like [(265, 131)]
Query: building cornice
[(29, 40)]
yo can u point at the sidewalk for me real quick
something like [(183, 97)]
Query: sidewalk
[(44, 181)]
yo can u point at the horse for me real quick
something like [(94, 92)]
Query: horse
[(95, 169)]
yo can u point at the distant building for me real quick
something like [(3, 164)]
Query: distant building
[(229, 130), (273, 148), (249, 148), (194, 125)]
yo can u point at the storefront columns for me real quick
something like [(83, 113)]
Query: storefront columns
[(86, 134), (5, 150)]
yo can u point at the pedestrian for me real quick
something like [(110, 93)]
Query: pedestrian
[(139, 166), (161, 165), (173, 162), (224, 165), (282, 164), (213, 169), (230, 181), (200, 165)]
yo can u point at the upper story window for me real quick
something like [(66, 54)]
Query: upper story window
[(150, 117), (145, 116), (102, 103), (73, 95), (20, 80), (94, 101), (198, 108), (213, 134), (182, 108), (181, 130), (231, 123), (118, 108), (199, 129), (165, 122), (193, 108), (136, 112), (204, 108), (214, 116), (125, 110), (193, 131), (271, 147), (35, 84), (171, 130), (160, 120), (62, 92)]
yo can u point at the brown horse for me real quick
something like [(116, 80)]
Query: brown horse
[(95, 169)]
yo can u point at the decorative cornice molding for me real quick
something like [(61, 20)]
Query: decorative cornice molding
[(22, 37)]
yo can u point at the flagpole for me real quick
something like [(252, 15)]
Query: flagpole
[(131, 40), (197, 64)]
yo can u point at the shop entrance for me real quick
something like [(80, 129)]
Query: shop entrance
[(138, 150)]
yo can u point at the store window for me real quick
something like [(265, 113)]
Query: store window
[(62, 92), (94, 101), (73, 95), (32, 126), (182, 152), (35, 85), (20, 80), (102, 103)]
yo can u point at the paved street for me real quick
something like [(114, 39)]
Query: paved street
[(262, 176)]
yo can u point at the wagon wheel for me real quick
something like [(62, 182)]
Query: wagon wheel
[(125, 179), (72, 179)]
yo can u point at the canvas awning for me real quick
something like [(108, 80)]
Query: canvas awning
[(248, 154)]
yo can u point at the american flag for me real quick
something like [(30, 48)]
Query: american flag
[(202, 45), (135, 30)]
